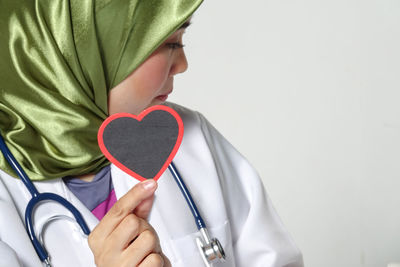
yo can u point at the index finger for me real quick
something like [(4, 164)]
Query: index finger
[(125, 205)]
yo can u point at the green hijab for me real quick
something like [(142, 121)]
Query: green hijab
[(58, 61)]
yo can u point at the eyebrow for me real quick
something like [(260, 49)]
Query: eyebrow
[(185, 25)]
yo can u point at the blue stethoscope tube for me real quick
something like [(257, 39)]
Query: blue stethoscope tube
[(178, 179)]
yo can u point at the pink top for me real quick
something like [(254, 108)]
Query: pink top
[(105, 206)]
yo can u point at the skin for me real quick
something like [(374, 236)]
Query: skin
[(152, 78), (124, 237)]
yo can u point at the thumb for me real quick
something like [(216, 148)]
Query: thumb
[(143, 209)]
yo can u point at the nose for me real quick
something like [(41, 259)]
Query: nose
[(180, 63)]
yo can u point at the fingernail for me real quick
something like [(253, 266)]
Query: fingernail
[(149, 184)]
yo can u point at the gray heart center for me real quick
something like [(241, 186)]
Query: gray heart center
[(142, 146)]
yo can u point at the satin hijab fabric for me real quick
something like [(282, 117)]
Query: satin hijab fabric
[(59, 60)]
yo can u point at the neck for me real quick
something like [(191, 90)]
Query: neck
[(87, 177)]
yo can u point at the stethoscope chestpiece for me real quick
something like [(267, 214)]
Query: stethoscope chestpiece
[(210, 249)]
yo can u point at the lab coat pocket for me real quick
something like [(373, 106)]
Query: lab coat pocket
[(186, 253)]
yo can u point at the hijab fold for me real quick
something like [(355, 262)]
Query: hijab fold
[(59, 60)]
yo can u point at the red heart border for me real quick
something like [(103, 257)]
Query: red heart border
[(139, 117)]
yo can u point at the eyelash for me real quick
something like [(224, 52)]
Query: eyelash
[(175, 45)]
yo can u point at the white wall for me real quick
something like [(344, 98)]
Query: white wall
[(309, 92)]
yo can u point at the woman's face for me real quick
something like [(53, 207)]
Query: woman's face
[(152, 81)]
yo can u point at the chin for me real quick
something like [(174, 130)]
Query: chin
[(154, 103)]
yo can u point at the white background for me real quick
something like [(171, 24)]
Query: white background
[(309, 92)]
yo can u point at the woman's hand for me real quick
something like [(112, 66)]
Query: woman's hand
[(124, 237)]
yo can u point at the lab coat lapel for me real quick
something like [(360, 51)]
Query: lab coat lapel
[(122, 181)]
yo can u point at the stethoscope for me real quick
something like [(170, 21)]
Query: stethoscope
[(210, 248)]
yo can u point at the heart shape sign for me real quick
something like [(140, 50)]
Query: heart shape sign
[(144, 145)]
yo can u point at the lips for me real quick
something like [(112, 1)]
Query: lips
[(164, 96)]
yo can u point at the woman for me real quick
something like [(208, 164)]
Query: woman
[(66, 66)]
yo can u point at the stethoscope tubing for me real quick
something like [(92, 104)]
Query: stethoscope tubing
[(36, 198), (17, 168), (188, 197)]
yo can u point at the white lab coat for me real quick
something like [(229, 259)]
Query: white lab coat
[(226, 189)]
